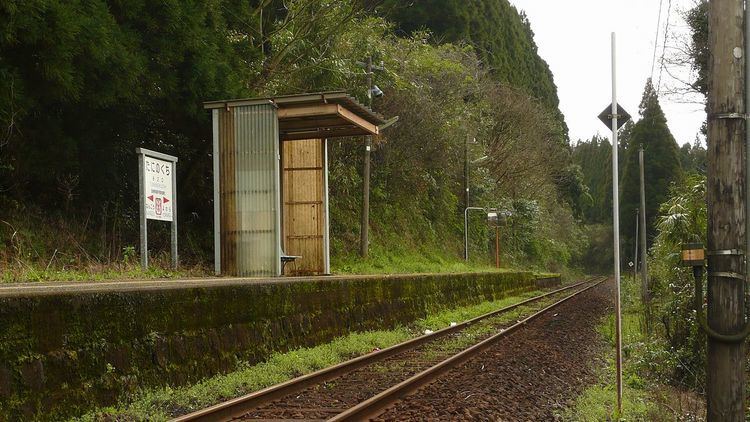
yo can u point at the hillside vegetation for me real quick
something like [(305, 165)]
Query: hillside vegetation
[(85, 83)]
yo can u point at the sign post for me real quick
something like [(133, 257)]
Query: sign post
[(615, 116), (157, 176)]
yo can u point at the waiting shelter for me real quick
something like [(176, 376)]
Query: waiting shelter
[(270, 165)]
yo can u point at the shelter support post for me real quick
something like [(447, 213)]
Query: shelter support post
[(217, 200), (142, 216)]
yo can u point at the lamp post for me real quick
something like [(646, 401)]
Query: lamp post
[(493, 220), (372, 90), (466, 230)]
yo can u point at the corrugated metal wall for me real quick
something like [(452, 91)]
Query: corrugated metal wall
[(250, 221)]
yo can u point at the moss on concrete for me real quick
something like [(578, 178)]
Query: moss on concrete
[(60, 354)]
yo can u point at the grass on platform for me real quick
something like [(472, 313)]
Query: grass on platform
[(94, 274)]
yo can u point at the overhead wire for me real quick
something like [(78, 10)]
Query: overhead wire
[(656, 39), (664, 47)]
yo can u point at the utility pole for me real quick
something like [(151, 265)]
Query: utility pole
[(645, 294), (726, 210), (365, 224)]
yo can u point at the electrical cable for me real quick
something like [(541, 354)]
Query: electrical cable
[(656, 39), (664, 47)]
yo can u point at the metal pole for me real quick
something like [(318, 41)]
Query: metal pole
[(635, 255), (466, 231), (616, 229), (497, 246), (327, 220), (644, 252), (466, 169), (466, 234), (217, 197), (175, 257), (747, 151), (144, 222), (645, 294), (364, 225)]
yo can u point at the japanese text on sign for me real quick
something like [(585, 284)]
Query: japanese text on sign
[(157, 176)]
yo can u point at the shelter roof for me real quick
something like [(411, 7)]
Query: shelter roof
[(316, 115)]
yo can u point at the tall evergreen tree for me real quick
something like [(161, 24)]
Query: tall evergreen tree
[(594, 157), (661, 166), (693, 158)]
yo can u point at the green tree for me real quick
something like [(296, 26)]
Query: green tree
[(693, 158), (661, 166), (697, 20), (500, 34), (594, 157)]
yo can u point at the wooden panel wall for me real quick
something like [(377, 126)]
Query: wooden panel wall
[(303, 196)]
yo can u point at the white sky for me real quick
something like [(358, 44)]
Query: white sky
[(573, 36)]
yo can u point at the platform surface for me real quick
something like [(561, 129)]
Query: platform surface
[(77, 287)]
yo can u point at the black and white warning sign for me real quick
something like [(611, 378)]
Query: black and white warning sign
[(157, 179)]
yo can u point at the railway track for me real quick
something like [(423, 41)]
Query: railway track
[(364, 387)]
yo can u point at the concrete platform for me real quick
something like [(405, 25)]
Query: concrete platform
[(77, 287), (65, 347)]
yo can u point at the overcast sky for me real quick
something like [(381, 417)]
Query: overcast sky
[(573, 36)]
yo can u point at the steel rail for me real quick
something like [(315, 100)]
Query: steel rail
[(376, 405), (239, 406)]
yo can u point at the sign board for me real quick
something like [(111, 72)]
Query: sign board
[(157, 178), (157, 188), (606, 116)]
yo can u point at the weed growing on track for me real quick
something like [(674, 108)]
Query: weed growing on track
[(165, 403), (443, 319), (481, 331), (162, 404)]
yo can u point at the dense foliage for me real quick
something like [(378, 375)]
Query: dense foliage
[(84, 83), (682, 219), (698, 54), (661, 167), (500, 34), (594, 157)]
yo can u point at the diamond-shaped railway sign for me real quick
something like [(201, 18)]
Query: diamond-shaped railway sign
[(606, 116)]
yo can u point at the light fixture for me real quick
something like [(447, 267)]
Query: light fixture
[(376, 92)]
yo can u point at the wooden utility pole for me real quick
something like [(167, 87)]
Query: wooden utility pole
[(726, 210), (365, 224)]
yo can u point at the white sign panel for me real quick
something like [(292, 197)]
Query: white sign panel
[(157, 179)]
